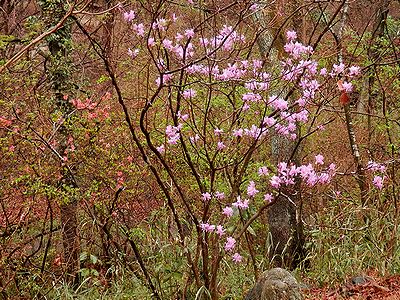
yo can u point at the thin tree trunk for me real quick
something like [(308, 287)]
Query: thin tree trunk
[(284, 217), (360, 172), (59, 72), (378, 32)]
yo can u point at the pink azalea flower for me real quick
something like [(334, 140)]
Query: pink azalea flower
[(189, 33), (354, 71), (263, 171), (237, 258), (133, 53), (373, 166), (190, 93), (268, 197), (319, 159), (151, 42), (228, 211), (139, 28), (238, 132), (129, 16), (230, 244), (206, 196), (378, 182), (161, 149), (220, 230), (347, 86), (219, 195), (291, 35), (205, 227), (218, 131), (337, 69), (251, 189), (241, 204), (275, 182), (278, 103), (221, 146)]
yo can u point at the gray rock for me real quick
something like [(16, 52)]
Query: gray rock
[(275, 284)]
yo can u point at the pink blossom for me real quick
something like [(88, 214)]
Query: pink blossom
[(230, 244), (296, 49), (218, 131), (323, 72), (160, 24), (133, 53), (319, 159), (257, 64), (354, 71), (255, 132), (241, 204), (139, 28), (373, 166), (151, 42), (161, 149), (129, 16), (219, 195), (227, 211), (324, 178), (237, 258), (238, 132), (182, 117), (178, 37), (278, 103), (206, 196), (268, 197), (167, 44), (204, 42), (291, 35), (195, 138), (263, 171), (221, 146), (254, 7), (378, 182), (190, 93), (337, 69), (305, 170), (220, 230), (251, 97), (347, 86), (275, 182), (165, 79), (251, 189), (173, 134), (205, 227), (189, 33), (269, 121)]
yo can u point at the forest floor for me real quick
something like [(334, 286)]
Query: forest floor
[(360, 288)]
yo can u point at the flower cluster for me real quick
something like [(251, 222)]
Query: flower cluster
[(378, 180), (198, 68)]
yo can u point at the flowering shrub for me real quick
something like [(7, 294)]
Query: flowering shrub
[(215, 108)]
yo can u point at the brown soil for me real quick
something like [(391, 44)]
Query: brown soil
[(374, 288)]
